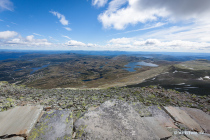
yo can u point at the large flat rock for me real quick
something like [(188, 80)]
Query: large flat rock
[(53, 125), (141, 109), (182, 117), (200, 117), (159, 130), (113, 120), (161, 116), (19, 120)]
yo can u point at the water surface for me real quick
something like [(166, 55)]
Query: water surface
[(133, 65), (37, 68)]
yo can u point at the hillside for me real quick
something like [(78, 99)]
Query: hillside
[(71, 113), (80, 100)]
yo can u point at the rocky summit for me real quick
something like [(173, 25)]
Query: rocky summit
[(114, 113), (112, 120)]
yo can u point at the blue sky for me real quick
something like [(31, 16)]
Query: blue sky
[(127, 25)]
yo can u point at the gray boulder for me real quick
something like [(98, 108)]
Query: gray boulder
[(141, 109), (158, 129), (53, 125), (114, 119), (161, 116)]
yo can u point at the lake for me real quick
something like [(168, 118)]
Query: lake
[(133, 65), (37, 68)]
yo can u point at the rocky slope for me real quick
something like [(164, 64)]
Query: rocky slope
[(80, 100), (114, 119), (127, 106)]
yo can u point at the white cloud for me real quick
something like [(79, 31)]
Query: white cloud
[(125, 44), (67, 28), (8, 34), (121, 13), (147, 42), (159, 24), (30, 38), (195, 32), (62, 18), (28, 41), (75, 43), (120, 40), (156, 25), (93, 46), (1, 20), (6, 5), (37, 34), (66, 37), (135, 44), (179, 9), (99, 3)]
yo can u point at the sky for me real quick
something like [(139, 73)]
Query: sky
[(122, 25)]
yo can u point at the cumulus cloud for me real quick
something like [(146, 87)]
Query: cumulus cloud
[(27, 41), (12, 38), (30, 38), (120, 40), (147, 42), (8, 34), (62, 18), (92, 45), (121, 13), (157, 45), (6, 5), (99, 3), (75, 43), (178, 9)]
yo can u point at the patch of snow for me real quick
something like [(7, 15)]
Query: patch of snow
[(200, 78), (164, 72), (206, 77), (183, 72), (175, 71), (190, 87), (180, 84)]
